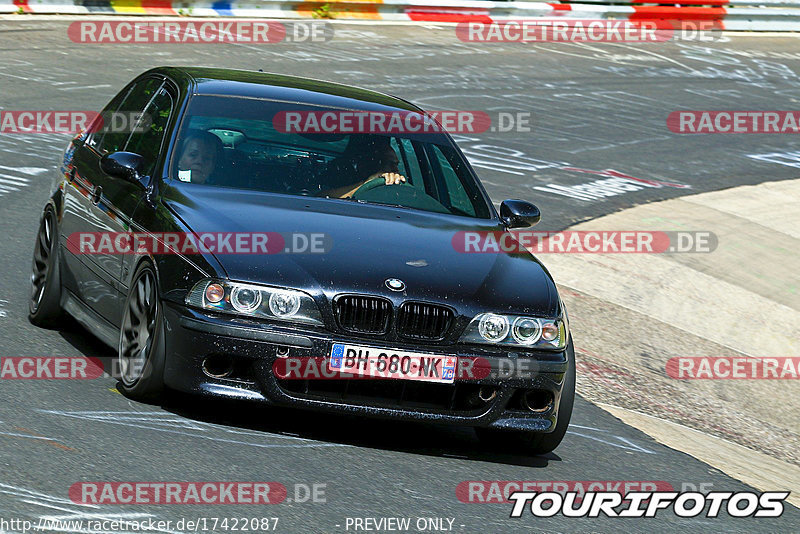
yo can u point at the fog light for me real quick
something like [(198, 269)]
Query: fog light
[(214, 293), (526, 331), (284, 304), (245, 300), (550, 332), (217, 366), (493, 327)]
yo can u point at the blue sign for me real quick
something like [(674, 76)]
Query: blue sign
[(337, 355)]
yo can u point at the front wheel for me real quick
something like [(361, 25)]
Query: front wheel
[(536, 442), (141, 339)]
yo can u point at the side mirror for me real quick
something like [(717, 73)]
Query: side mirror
[(125, 165), (519, 214)]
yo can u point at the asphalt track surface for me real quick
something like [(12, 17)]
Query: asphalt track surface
[(594, 107)]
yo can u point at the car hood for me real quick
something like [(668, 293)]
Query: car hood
[(368, 244)]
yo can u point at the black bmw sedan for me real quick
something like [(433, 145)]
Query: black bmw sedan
[(231, 242)]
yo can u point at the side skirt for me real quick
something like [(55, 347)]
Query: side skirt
[(89, 319)]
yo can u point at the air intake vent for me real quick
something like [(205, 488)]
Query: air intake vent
[(363, 315), (419, 320)]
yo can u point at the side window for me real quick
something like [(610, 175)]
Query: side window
[(148, 134), (459, 198), (118, 126), (97, 128), (409, 164)]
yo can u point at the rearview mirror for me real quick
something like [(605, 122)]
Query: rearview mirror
[(125, 165), (519, 213)]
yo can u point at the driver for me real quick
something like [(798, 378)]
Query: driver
[(200, 154), (365, 158)]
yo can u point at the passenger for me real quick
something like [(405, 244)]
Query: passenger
[(366, 157), (201, 152)]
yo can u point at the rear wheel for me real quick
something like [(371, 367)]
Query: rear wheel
[(141, 339), (537, 442), (44, 306)]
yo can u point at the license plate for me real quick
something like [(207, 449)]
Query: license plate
[(391, 363)]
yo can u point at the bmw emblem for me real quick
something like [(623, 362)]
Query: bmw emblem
[(394, 284)]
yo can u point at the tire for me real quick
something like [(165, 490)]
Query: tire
[(44, 305), (537, 443), (141, 354)]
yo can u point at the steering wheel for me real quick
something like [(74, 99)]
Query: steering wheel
[(402, 194), (373, 183)]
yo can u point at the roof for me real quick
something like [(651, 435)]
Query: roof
[(231, 82)]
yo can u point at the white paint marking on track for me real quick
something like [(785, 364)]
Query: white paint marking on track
[(18, 434), (642, 50), (31, 171), (11, 182), (8, 179), (573, 425), (164, 422), (15, 435), (76, 512), (7, 489), (791, 159), (609, 439), (101, 86), (582, 54), (169, 420)]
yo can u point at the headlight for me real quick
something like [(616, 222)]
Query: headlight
[(214, 293), (516, 330), (254, 301), (550, 332), (493, 328), (245, 299), (527, 330), (284, 304)]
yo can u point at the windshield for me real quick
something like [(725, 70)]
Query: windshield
[(241, 143)]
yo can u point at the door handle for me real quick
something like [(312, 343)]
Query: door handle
[(97, 195)]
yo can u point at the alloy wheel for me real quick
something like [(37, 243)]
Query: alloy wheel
[(138, 328), (41, 260)]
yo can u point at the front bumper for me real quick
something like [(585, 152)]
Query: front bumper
[(252, 347)]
